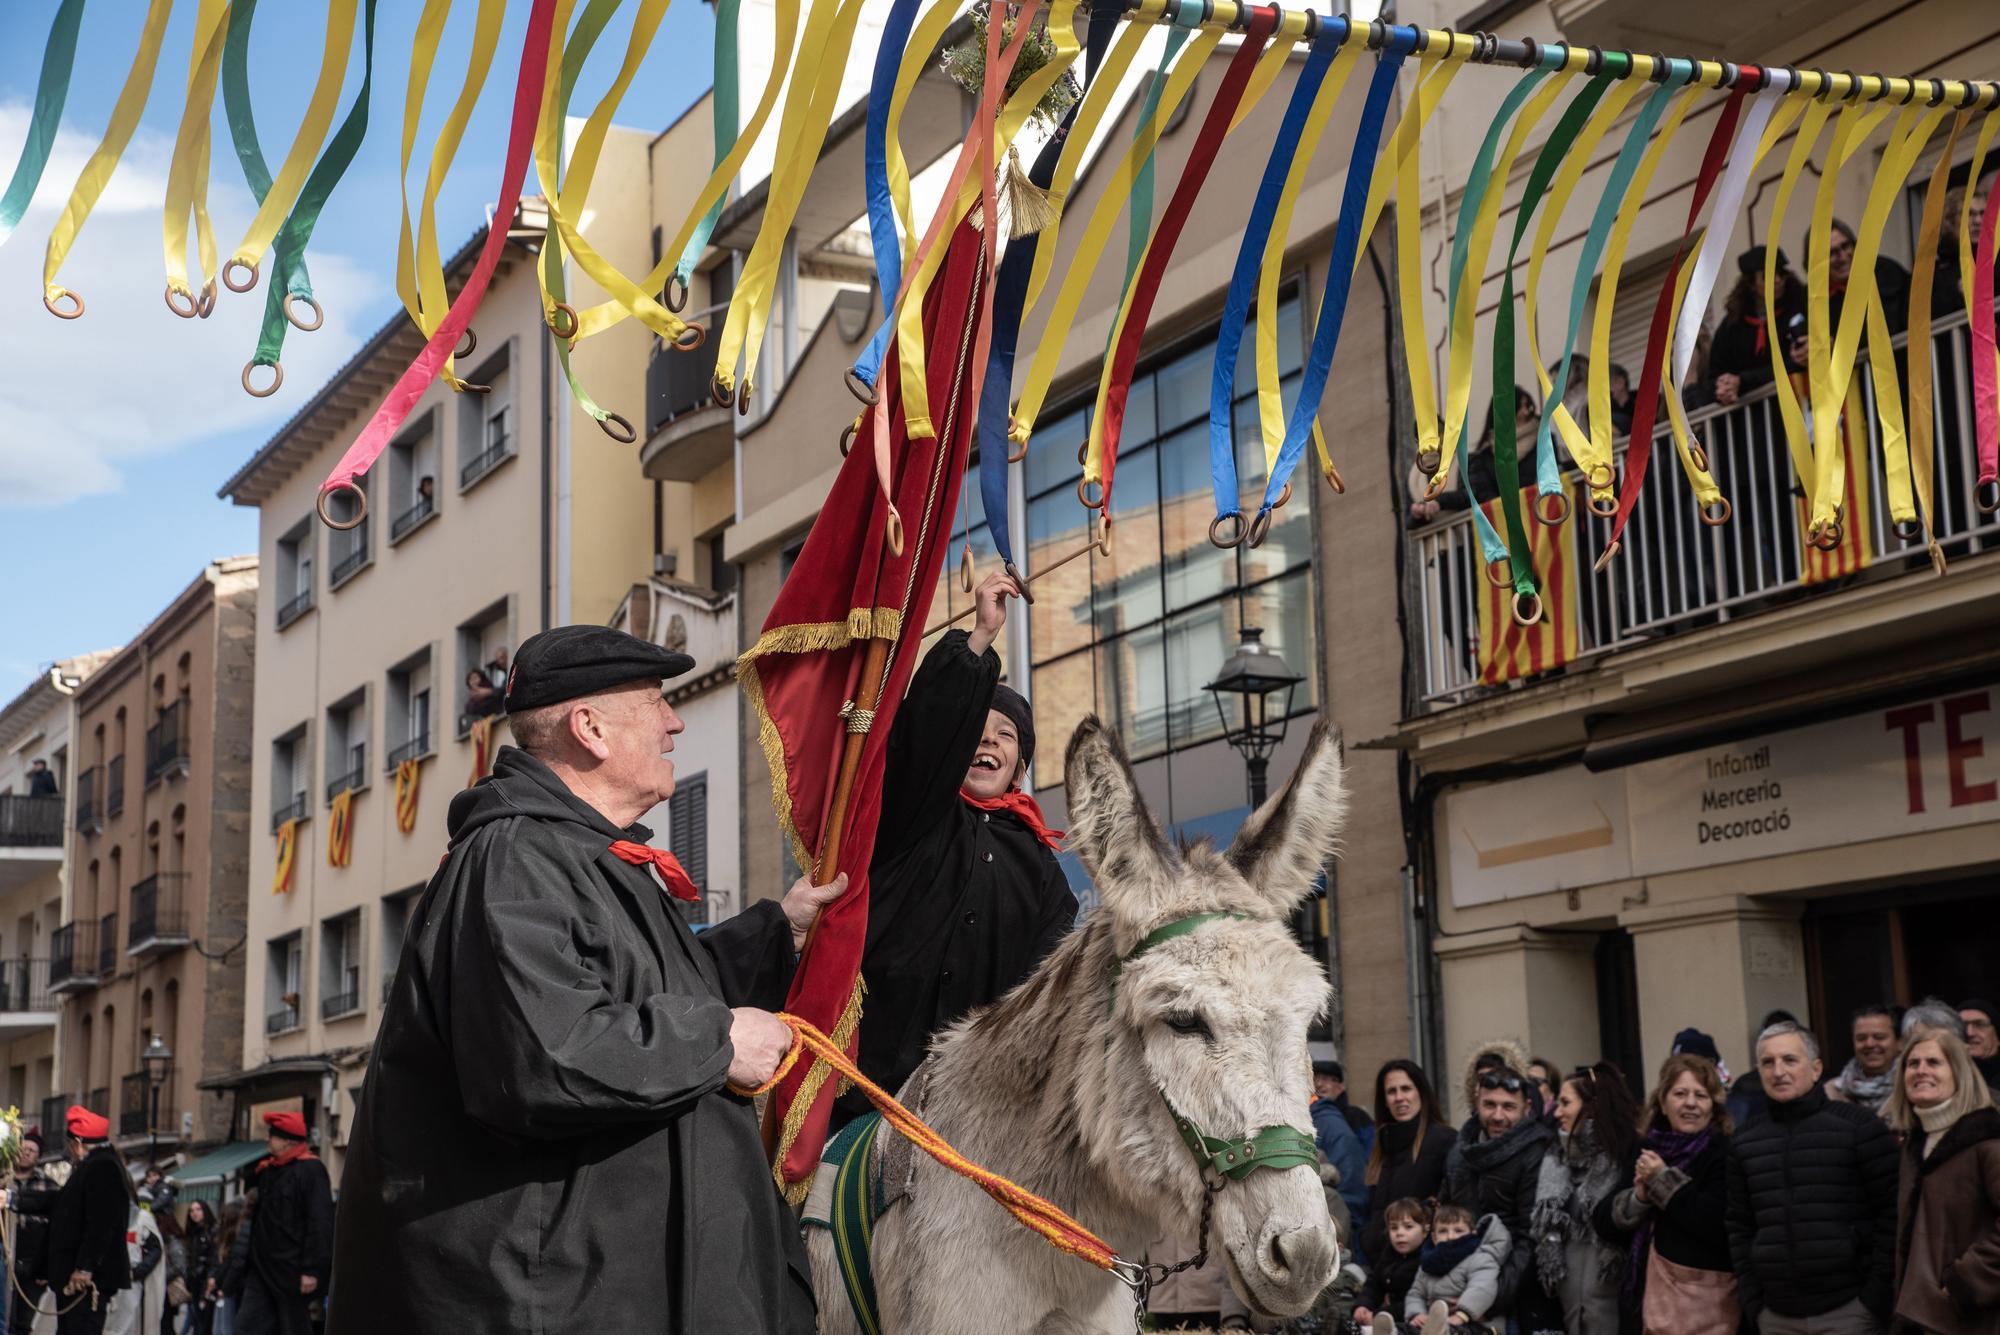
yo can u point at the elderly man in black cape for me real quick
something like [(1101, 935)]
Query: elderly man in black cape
[(546, 1141), (965, 894)]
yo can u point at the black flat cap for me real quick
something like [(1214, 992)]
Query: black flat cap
[(570, 661)]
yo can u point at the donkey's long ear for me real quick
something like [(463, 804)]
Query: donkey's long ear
[(1285, 843), (1109, 826)]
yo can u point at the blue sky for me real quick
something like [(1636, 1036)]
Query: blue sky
[(116, 429)]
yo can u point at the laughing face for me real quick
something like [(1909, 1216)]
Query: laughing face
[(997, 764)]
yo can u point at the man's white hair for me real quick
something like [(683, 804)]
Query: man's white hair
[(1932, 1013), (1794, 1029)]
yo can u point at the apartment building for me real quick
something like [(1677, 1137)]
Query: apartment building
[(492, 516), (147, 960), (1759, 782), (35, 731), (1136, 636)]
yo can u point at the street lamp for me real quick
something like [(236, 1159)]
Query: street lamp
[(156, 1059), (1253, 698)]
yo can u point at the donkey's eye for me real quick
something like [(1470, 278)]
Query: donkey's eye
[(1186, 1022)]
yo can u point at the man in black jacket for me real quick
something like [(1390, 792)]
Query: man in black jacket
[(87, 1257), (965, 894), (1812, 1202), (31, 1198), (1493, 1170), (291, 1253)]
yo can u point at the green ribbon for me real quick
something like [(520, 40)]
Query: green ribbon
[(727, 113), (238, 111), (51, 91), (289, 249), (1139, 223)]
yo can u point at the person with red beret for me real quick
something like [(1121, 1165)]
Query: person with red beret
[(87, 1257), (291, 1248)]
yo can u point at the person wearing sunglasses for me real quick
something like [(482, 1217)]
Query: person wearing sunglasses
[(1494, 1168)]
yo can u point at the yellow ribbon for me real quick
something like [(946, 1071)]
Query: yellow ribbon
[(104, 161), (1789, 412), (1615, 100), (419, 263), (1270, 398), (829, 33), (291, 177), (187, 177)]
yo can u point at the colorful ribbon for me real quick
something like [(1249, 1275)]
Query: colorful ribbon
[(724, 109), (882, 203), (410, 386), (103, 161), (51, 92), (241, 115), (1789, 412), (1923, 275), (187, 174), (1986, 359)]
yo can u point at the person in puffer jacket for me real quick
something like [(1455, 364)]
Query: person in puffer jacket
[(1812, 1201), (1458, 1273)]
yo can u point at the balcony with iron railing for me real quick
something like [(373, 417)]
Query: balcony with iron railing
[(73, 958), (420, 510), (687, 433), (294, 607), (355, 554), (53, 1109), (99, 1100), (354, 779), (1674, 572), (415, 749), (499, 449), (159, 921), (135, 1101), (167, 744), (283, 1020), (24, 989), (347, 1001), (114, 786), (31, 822), (107, 945), (299, 808)]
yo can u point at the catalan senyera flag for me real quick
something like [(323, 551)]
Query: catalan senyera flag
[(288, 858), (482, 749), (1855, 549), (340, 829), (1507, 649), (847, 589), (406, 794)]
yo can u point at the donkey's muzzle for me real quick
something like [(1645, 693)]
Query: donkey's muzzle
[(1298, 1260)]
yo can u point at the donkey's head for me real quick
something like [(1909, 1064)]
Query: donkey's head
[(1210, 1007)]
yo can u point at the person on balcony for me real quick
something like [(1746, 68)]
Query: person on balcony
[(965, 893), (496, 668), (1892, 281), (482, 697), (1739, 359), (42, 780)]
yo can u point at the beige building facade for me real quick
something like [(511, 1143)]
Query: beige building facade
[(1759, 785), (149, 954)]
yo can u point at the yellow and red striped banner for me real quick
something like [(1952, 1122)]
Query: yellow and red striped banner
[(1855, 549), (340, 829), (288, 858), (1507, 650), (482, 749), (406, 795)]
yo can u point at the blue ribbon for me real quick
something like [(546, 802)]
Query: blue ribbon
[(875, 166), (1340, 265), (1249, 262)]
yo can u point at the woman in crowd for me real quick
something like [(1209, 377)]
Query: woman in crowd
[(1547, 1077), (1678, 1272), (1579, 1269), (1948, 1211), (1412, 1140), (1740, 355), (201, 1264)]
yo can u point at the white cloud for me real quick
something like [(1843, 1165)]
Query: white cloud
[(81, 398)]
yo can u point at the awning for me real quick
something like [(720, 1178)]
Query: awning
[(219, 1165)]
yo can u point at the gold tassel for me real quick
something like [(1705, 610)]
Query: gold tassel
[(1028, 205)]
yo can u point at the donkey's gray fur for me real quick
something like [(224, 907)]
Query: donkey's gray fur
[(1058, 1084)]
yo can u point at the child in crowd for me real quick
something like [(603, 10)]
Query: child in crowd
[(1458, 1273), (1390, 1277)]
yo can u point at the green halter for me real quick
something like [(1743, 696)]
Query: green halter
[(1271, 1147)]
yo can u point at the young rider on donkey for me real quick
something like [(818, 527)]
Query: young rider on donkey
[(965, 895)]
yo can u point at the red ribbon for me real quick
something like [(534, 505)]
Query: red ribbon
[(679, 884), (1023, 808), (374, 437), (1640, 452), (1985, 383)]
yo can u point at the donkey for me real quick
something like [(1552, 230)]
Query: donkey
[(1072, 1084)]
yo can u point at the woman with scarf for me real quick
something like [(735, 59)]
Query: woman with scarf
[(965, 895), (1580, 1269), (1412, 1143), (1948, 1204), (1739, 358), (1678, 1273)]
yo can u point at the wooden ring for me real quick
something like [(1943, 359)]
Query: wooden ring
[(1527, 608), (860, 388), (248, 283), (1283, 496), (319, 313), (847, 434), (557, 313), (743, 398), (1716, 513), (188, 312), (205, 304), (677, 292), (1433, 488), (277, 379), (468, 343), (1333, 478), (1603, 504), (1987, 495), (1909, 530), (1235, 539), (1428, 460), (1827, 536), (360, 506), (965, 568), (1104, 535), (1260, 529), (1603, 483), (892, 532), (683, 343), (1559, 516), (719, 390), (1083, 486), (1503, 580), (1937, 558), (1700, 457), (1015, 456), (625, 426), (1082, 453)]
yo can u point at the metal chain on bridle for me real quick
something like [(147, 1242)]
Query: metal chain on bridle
[(1143, 1279)]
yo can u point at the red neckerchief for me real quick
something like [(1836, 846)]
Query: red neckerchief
[(679, 884), (292, 1153), (1023, 808), (1757, 322)]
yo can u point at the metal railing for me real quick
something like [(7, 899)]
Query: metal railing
[(167, 742), (353, 779), (88, 809), (99, 1100), (1673, 571), (356, 556), (24, 986), (424, 508), (53, 1109), (282, 1020), (294, 608), (479, 465), (30, 822), (159, 912), (677, 382), (107, 945), (299, 808), (114, 786), (417, 746), (340, 1003), (135, 1101), (72, 956)]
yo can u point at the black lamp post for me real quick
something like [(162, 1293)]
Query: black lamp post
[(1253, 698), (156, 1059)]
